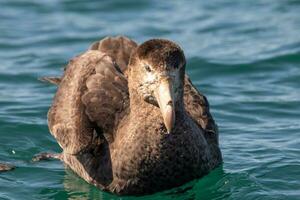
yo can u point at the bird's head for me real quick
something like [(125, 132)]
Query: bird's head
[(157, 68)]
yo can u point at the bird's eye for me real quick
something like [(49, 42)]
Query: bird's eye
[(147, 67)]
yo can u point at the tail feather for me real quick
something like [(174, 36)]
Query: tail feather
[(53, 80)]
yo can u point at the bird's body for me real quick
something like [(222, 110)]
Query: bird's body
[(133, 130), (151, 160)]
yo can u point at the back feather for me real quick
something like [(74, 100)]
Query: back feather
[(118, 48)]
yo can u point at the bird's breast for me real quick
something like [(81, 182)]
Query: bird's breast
[(150, 154)]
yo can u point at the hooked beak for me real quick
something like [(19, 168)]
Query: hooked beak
[(165, 97)]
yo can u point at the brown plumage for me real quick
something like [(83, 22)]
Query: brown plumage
[(133, 124)]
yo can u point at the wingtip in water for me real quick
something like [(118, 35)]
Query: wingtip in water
[(46, 156), (4, 167)]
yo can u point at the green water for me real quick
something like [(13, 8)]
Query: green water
[(244, 55)]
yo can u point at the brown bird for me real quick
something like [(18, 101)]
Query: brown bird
[(130, 121)]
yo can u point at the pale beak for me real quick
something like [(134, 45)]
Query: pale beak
[(165, 97)]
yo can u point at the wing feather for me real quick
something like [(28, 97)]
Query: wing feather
[(91, 94), (103, 99), (197, 107), (67, 120)]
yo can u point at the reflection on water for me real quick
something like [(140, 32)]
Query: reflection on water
[(215, 185), (77, 188)]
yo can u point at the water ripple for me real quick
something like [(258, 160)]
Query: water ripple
[(244, 55)]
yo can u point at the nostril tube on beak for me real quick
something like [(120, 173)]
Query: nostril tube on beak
[(165, 97)]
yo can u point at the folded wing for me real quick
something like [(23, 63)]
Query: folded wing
[(197, 107), (91, 95)]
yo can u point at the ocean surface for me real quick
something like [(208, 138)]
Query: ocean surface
[(243, 55)]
